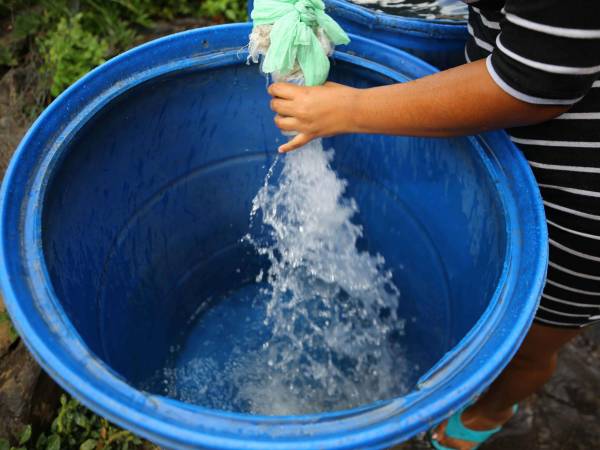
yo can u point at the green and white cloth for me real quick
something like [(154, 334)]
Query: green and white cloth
[(295, 36)]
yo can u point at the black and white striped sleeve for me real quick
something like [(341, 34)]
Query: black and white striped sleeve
[(548, 51)]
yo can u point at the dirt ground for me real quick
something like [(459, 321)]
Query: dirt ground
[(565, 415)]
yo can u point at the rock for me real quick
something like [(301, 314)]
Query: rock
[(27, 395), (18, 377)]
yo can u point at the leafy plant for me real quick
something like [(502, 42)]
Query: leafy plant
[(24, 26), (12, 333), (7, 58), (114, 20), (77, 428), (24, 438), (27, 24), (233, 10), (170, 9), (70, 51), (73, 36)]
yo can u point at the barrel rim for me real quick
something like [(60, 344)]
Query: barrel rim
[(373, 425)]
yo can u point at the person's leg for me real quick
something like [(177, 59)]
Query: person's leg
[(529, 370)]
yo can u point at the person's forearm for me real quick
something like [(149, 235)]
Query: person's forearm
[(461, 101)]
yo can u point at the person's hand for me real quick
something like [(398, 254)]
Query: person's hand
[(312, 112)]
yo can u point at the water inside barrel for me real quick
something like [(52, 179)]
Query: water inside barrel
[(318, 329), (432, 9)]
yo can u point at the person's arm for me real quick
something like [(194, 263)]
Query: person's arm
[(460, 101)]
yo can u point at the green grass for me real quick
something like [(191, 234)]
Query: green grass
[(77, 428), (71, 37)]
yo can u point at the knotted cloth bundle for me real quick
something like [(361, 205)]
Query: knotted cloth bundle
[(295, 37)]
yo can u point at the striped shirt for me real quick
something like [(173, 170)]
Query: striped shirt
[(547, 52)]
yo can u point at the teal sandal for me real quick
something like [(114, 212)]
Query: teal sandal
[(456, 430)]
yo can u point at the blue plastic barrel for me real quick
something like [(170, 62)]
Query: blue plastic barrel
[(440, 42), (122, 212)]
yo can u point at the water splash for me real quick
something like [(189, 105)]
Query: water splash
[(331, 308), (317, 330)]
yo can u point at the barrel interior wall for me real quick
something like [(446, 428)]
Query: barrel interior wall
[(144, 219), (432, 211), (145, 151)]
